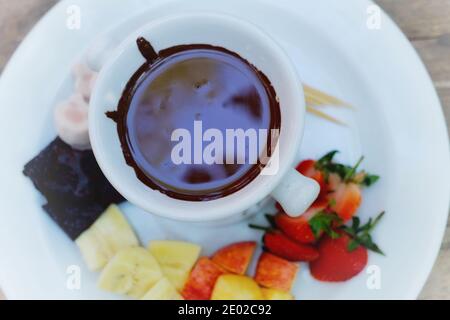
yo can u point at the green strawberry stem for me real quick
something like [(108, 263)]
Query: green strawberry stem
[(351, 173), (361, 234), (256, 227)]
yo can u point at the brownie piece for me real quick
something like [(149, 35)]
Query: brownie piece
[(73, 220), (76, 190)]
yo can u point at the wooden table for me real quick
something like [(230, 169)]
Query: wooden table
[(425, 22)]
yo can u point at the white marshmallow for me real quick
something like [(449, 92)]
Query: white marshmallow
[(71, 121), (85, 80)]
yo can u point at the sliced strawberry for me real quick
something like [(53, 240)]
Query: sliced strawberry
[(235, 257), (336, 263), (333, 182), (345, 200), (282, 246), (298, 229)]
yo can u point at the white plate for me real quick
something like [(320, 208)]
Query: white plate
[(398, 125)]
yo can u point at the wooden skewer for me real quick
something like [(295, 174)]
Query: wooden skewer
[(316, 97), (313, 101), (324, 116)]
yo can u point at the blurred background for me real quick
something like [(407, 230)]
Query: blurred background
[(426, 23)]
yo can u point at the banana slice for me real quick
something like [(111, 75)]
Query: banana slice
[(108, 235), (162, 290), (133, 272), (71, 122)]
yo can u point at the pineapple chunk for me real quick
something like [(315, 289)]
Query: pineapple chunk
[(176, 259), (162, 290), (236, 287), (132, 271), (108, 235), (274, 294)]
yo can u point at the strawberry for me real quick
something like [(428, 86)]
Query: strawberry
[(342, 258), (345, 200), (344, 185), (298, 228), (280, 245), (308, 169), (335, 262), (335, 172)]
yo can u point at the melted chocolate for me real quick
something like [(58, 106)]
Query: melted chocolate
[(176, 87)]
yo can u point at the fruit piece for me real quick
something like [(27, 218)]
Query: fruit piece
[(282, 246), (236, 287), (311, 169), (274, 294), (275, 272), (108, 235), (176, 259), (308, 169), (71, 122), (298, 229), (342, 258), (162, 290), (348, 174), (336, 263), (76, 190), (202, 279), (346, 200), (85, 79), (333, 182), (235, 257), (132, 271)]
